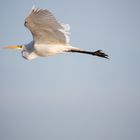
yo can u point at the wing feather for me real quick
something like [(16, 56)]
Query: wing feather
[(45, 28)]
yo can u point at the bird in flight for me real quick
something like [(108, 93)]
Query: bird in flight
[(50, 37)]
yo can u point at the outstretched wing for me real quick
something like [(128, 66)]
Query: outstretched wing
[(45, 28)]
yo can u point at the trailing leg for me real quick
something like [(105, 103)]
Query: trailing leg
[(98, 53)]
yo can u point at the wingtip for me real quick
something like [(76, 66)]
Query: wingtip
[(33, 7)]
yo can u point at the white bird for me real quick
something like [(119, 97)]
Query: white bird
[(50, 37)]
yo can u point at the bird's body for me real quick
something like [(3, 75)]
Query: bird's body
[(32, 50), (49, 36)]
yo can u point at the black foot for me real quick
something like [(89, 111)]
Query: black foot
[(100, 54)]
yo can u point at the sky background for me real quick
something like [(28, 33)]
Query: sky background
[(72, 96)]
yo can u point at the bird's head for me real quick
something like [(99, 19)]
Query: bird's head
[(27, 50), (21, 48)]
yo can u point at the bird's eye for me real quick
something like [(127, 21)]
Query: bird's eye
[(20, 46)]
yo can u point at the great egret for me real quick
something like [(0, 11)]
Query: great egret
[(49, 37)]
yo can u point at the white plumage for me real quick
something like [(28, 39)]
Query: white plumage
[(50, 37)]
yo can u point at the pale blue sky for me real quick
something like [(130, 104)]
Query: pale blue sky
[(72, 96)]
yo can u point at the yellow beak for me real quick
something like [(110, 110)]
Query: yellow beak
[(13, 47)]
